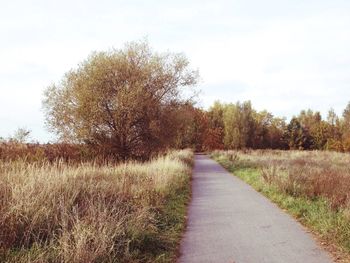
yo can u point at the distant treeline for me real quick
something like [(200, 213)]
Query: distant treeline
[(223, 126), (130, 103), (240, 126)]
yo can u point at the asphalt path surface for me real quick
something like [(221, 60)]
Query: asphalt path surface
[(229, 222)]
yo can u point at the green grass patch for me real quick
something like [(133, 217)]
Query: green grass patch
[(162, 245)]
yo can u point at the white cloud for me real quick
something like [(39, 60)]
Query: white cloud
[(283, 55)]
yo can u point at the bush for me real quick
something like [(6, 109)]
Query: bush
[(35, 152)]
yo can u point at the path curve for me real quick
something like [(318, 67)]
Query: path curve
[(228, 221)]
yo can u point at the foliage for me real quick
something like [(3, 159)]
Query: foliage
[(213, 139), (240, 126), (192, 129), (296, 136), (123, 101)]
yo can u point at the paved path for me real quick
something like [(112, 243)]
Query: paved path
[(230, 222)]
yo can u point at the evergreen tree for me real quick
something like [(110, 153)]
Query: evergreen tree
[(297, 138)]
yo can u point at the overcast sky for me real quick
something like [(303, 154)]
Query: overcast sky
[(283, 55)]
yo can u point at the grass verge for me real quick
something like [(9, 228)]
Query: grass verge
[(330, 226), (55, 212)]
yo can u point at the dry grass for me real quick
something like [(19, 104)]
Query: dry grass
[(55, 212), (312, 174), (312, 186), (34, 152)]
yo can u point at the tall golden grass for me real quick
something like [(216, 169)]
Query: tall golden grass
[(56, 212)]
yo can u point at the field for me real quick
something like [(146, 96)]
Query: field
[(92, 212), (313, 186)]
